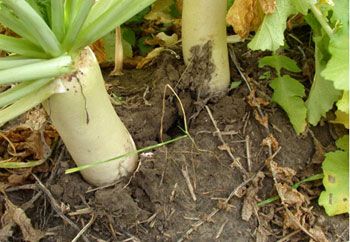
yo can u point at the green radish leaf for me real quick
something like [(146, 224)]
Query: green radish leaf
[(138, 18), (343, 143), (279, 62), (128, 35), (335, 199), (288, 93), (270, 35), (343, 103), (341, 13), (322, 94), (337, 69), (144, 49)]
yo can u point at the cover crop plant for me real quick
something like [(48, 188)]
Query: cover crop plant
[(48, 62)]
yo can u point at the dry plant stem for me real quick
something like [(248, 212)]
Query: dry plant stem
[(287, 237), (247, 146), (85, 228), (227, 148), (90, 132), (203, 21), (188, 183), (118, 54), (56, 207)]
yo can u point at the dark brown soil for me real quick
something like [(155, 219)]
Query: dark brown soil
[(155, 204)]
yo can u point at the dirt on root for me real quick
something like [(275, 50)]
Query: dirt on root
[(192, 190)]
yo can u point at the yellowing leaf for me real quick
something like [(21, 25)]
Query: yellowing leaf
[(245, 16), (161, 11), (343, 143), (341, 118), (343, 103), (288, 93), (335, 199)]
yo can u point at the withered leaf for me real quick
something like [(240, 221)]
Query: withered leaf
[(245, 16)]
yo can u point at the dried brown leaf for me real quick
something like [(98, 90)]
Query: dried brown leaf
[(150, 56), (290, 196), (268, 6), (250, 200), (318, 234), (270, 140), (254, 101), (245, 16), (98, 48), (281, 173), (15, 215), (263, 120)]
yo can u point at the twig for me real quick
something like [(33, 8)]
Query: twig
[(85, 228), (288, 236), (224, 144), (56, 207), (247, 147), (189, 184), (221, 229)]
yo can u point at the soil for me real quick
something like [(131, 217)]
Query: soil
[(155, 203)]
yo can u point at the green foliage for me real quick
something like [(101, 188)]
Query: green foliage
[(335, 199), (322, 94), (270, 35), (288, 93), (331, 37), (279, 62), (337, 69)]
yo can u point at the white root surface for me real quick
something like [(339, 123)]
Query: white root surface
[(89, 125), (203, 21)]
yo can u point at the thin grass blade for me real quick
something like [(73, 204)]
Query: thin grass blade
[(20, 165)]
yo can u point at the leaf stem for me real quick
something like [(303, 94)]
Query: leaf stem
[(322, 20)]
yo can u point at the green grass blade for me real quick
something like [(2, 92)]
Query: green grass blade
[(148, 148), (12, 22), (21, 46), (12, 95), (20, 165), (57, 18), (26, 103), (33, 21), (81, 12), (43, 69), (117, 14), (15, 61), (295, 186)]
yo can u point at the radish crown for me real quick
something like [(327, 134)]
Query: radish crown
[(51, 33)]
